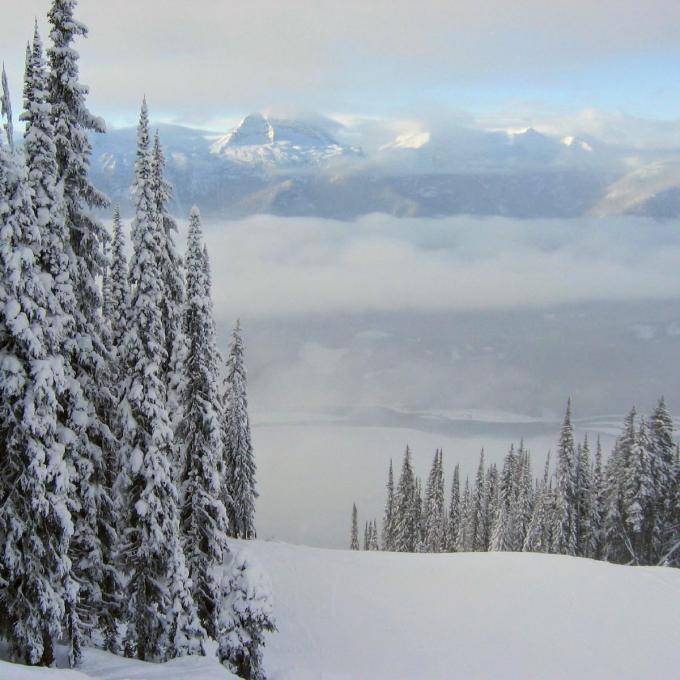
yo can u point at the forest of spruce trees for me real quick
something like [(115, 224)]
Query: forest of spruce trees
[(124, 463), (624, 510)]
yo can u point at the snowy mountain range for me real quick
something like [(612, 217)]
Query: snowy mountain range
[(315, 167)]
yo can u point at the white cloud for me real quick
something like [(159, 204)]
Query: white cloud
[(267, 266)]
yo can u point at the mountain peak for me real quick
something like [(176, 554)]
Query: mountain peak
[(262, 142), (254, 129)]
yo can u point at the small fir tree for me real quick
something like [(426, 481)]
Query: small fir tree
[(389, 516), (354, 532), (453, 524), (246, 617)]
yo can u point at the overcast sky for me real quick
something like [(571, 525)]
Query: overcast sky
[(204, 61)]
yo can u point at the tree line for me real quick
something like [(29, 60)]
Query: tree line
[(124, 464), (624, 510)]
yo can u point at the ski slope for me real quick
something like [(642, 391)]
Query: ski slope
[(385, 616), (506, 616)]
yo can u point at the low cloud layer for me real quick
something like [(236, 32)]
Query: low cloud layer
[(269, 267)]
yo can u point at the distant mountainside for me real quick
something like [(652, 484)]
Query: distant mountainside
[(304, 168)]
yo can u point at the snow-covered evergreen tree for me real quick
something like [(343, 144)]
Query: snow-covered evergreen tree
[(203, 517), (373, 543), (6, 110), (492, 502), (564, 531), (37, 597), (537, 537), (161, 614), (43, 181), (453, 524), (246, 617), (522, 507), (584, 501), (239, 459), (597, 506), (639, 499), (389, 516), (406, 529), (671, 550), (502, 536), (354, 531), (465, 532), (480, 501), (419, 514), (106, 294), (617, 546), (435, 517), (91, 417), (120, 287), (173, 297), (666, 482)]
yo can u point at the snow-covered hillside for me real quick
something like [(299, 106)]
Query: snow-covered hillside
[(385, 616), (494, 615)]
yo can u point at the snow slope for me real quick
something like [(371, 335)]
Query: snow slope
[(496, 615), (386, 616), (103, 666)]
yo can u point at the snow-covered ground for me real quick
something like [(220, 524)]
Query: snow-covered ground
[(103, 666), (490, 615), (355, 616)]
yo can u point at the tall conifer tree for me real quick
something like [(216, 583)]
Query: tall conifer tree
[(453, 524), (502, 536), (203, 516), (465, 538), (537, 538), (37, 600), (239, 458), (406, 529), (90, 417), (389, 516), (480, 502), (120, 287), (597, 506), (639, 499), (617, 545), (174, 293), (666, 482), (161, 613), (564, 531), (435, 517), (584, 501)]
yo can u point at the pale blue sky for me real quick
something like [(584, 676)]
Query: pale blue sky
[(208, 60)]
